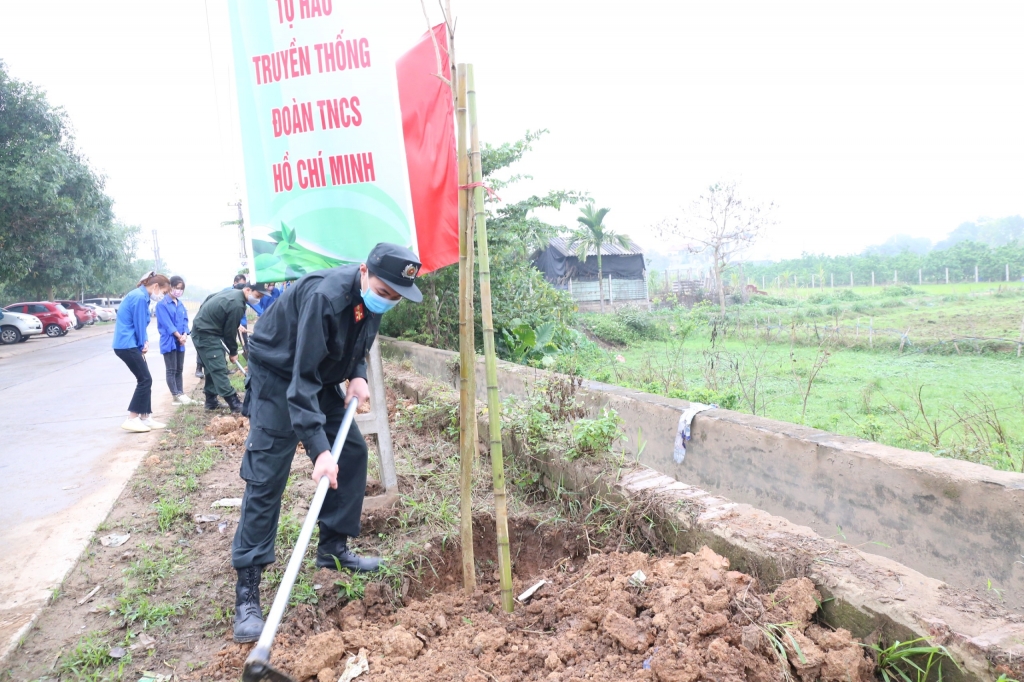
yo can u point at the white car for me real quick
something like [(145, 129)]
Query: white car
[(17, 327), (102, 314)]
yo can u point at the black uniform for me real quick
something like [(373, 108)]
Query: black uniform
[(314, 337)]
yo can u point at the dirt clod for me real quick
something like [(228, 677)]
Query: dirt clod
[(399, 642), (491, 640), (320, 651)]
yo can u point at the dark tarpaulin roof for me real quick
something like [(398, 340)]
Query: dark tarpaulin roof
[(558, 262), (561, 244)]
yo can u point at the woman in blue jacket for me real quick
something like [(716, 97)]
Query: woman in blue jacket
[(172, 321), (131, 342)]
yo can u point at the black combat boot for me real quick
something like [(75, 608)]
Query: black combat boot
[(333, 552), (234, 403), (248, 614), (211, 401)]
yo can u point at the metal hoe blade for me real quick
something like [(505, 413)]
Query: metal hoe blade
[(260, 670), (257, 665)]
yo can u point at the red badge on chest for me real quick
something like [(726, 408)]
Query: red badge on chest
[(359, 312)]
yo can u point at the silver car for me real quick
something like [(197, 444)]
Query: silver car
[(102, 314), (17, 327)]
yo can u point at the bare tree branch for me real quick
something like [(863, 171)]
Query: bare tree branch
[(722, 224)]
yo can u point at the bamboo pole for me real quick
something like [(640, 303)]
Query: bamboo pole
[(467, 350), (490, 358)]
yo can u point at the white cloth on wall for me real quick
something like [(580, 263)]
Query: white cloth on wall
[(683, 432)]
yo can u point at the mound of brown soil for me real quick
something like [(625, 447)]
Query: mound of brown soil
[(689, 618), (230, 430)]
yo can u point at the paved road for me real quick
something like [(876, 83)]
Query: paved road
[(63, 458)]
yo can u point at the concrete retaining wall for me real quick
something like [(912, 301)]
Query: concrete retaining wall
[(957, 522)]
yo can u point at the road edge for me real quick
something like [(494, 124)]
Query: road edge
[(19, 636)]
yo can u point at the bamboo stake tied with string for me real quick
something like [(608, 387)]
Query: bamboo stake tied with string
[(490, 357)]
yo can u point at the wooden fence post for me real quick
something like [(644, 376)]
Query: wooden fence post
[(1021, 341)]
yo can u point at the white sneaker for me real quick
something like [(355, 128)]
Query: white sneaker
[(136, 425), (184, 400), (152, 423)]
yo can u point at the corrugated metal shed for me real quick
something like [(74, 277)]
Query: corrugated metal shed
[(562, 246)]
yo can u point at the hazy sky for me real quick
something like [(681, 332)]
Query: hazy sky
[(859, 119)]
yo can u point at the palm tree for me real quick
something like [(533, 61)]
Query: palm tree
[(591, 236)]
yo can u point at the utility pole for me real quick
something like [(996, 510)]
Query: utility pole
[(243, 252), (156, 252)]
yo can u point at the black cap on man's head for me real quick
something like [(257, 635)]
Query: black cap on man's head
[(260, 287), (398, 267)]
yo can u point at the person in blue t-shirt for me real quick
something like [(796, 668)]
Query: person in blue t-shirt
[(131, 343), (172, 321)]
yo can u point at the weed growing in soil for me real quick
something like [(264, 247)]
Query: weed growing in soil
[(778, 636), (90, 656), (169, 510), (595, 436), (152, 569), (136, 609), (911, 661)]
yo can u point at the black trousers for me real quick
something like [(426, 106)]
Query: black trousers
[(267, 462), (174, 364), (142, 399)]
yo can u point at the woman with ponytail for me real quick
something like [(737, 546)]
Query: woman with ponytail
[(131, 343)]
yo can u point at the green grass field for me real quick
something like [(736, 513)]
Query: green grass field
[(933, 313), (960, 399)]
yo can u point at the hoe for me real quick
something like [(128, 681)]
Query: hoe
[(257, 666)]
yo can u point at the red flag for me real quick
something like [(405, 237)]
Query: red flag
[(428, 125)]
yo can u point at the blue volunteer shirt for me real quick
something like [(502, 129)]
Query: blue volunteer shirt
[(170, 318), (132, 320)]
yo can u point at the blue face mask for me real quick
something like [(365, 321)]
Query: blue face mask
[(376, 303)]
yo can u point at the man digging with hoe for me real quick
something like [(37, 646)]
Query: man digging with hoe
[(315, 337), (214, 334)]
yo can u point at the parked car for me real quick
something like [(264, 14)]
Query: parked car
[(53, 316), (83, 315), (17, 327), (70, 315), (102, 314), (111, 303)]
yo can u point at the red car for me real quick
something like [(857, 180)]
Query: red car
[(83, 315), (55, 322)]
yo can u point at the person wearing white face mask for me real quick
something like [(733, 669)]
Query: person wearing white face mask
[(131, 343), (214, 329), (172, 321), (314, 338)]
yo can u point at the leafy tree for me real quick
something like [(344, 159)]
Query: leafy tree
[(521, 294), (591, 236), (57, 228)]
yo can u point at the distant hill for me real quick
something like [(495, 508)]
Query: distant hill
[(990, 231)]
